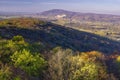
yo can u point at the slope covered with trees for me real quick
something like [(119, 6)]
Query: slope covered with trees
[(52, 35), (29, 51)]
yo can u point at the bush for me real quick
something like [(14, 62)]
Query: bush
[(17, 78), (5, 72), (118, 62), (8, 47), (33, 64), (93, 56), (118, 59), (18, 39)]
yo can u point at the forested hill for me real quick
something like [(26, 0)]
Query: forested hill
[(52, 35), (78, 16)]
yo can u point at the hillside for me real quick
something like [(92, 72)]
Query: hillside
[(105, 25), (32, 49), (52, 35)]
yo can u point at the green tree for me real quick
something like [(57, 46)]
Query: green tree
[(31, 63)]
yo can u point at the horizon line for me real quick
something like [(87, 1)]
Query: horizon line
[(84, 12)]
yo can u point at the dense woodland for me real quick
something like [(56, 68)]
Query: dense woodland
[(31, 49)]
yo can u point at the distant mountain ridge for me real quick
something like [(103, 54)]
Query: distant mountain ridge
[(55, 12), (81, 16)]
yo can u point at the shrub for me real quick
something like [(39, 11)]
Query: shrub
[(118, 59), (33, 64), (8, 47), (18, 39), (118, 62), (17, 78), (5, 72)]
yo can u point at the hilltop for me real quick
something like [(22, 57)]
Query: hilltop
[(81, 16)]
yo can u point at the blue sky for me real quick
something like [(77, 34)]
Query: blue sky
[(94, 6)]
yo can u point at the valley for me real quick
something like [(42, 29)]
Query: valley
[(100, 24)]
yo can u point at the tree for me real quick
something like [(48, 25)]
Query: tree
[(58, 64), (33, 64), (63, 65)]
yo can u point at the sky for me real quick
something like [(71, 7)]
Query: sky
[(87, 6)]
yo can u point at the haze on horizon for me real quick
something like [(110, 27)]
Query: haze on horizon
[(92, 6)]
